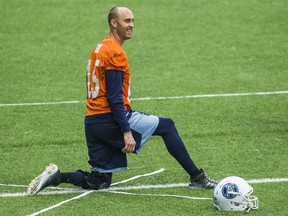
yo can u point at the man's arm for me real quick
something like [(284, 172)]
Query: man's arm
[(114, 81)]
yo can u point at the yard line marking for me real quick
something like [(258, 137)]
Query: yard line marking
[(148, 187), (252, 181), (212, 95), (86, 193), (267, 180), (154, 98), (160, 195), (13, 185), (139, 176), (56, 192), (59, 190), (41, 103), (61, 203), (56, 188)]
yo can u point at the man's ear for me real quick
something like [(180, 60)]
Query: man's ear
[(113, 23)]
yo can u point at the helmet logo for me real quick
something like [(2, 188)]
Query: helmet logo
[(230, 190)]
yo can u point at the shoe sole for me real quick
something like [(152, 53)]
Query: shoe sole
[(39, 182)]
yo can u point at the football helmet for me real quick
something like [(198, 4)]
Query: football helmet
[(234, 194)]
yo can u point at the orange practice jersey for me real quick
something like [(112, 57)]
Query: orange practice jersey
[(108, 55)]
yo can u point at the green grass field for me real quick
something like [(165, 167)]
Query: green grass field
[(179, 48)]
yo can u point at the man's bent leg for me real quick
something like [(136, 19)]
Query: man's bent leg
[(167, 130)]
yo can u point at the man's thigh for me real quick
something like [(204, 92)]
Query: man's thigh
[(144, 126)]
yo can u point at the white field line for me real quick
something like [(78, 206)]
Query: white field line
[(61, 203), (58, 190), (154, 98), (160, 195), (267, 180), (88, 192), (213, 95), (138, 176), (55, 192), (25, 186)]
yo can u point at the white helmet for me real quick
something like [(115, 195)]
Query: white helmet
[(234, 194)]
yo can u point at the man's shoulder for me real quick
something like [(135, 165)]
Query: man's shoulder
[(111, 54), (110, 45)]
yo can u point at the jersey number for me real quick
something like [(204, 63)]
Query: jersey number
[(93, 88)]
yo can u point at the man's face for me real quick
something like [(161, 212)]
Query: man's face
[(125, 24)]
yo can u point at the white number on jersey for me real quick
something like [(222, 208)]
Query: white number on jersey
[(93, 89)]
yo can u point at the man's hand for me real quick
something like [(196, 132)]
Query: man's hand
[(129, 142)]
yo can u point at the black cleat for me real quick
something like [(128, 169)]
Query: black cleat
[(202, 181)]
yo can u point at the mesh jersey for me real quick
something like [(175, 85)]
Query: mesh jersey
[(108, 55)]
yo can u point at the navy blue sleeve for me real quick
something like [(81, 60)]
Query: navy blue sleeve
[(114, 81)]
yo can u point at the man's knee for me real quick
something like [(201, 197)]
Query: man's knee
[(165, 126), (168, 122), (95, 180)]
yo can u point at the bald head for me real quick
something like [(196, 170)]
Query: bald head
[(115, 11)]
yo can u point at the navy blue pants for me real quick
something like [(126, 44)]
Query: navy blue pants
[(105, 141)]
